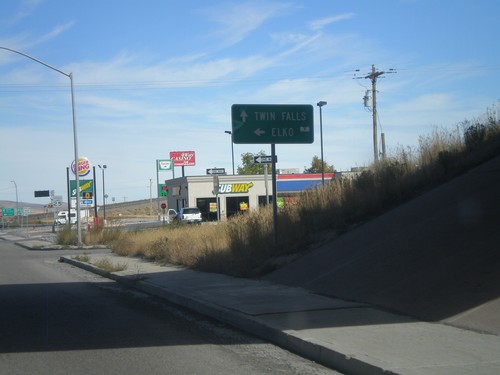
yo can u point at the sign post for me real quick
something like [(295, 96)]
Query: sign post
[(265, 159), (216, 192), (216, 171), (161, 165), (272, 124)]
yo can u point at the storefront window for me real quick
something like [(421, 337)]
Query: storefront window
[(208, 208), (237, 205), (263, 201)]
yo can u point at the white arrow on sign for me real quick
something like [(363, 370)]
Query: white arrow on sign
[(263, 159), (243, 116), (216, 171), (259, 132)]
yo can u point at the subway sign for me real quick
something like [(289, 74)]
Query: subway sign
[(86, 188), (235, 188)]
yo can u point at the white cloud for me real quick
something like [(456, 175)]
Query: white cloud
[(56, 31), (27, 7), (239, 20), (323, 22), (130, 71)]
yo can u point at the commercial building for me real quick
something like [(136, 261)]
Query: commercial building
[(236, 193)]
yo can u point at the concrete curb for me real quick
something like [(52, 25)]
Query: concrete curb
[(31, 246), (308, 348), (43, 246)]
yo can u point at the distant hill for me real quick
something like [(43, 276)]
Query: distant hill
[(35, 208), (139, 207)]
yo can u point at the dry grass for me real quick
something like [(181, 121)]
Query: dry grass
[(82, 258), (244, 245), (97, 236), (107, 265)]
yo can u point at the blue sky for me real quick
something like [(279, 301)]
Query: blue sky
[(158, 76)]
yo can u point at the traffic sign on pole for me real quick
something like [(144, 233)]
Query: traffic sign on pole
[(264, 159), (272, 124), (214, 171), (8, 212)]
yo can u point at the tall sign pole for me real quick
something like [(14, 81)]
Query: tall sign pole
[(272, 124), (216, 192), (161, 165), (158, 189), (275, 194)]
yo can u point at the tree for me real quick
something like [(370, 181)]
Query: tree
[(316, 166), (249, 167)]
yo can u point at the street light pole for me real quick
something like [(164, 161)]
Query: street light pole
[(232, 147), (103, 192), (75, 141), (320, 105), (17, 203)]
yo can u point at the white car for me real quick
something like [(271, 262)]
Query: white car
[(190, 215), (62, 217)]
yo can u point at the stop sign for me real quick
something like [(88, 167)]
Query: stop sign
[(163, 206)]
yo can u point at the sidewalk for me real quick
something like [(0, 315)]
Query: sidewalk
[(349, 337)]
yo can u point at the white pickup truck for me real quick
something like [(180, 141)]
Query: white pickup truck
[(63, 217), (189, 215)]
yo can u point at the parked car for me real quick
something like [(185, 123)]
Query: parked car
[(62, 217), (189, 215), (171, 215)]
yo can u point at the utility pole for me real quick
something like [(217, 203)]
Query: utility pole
[(373, 78)]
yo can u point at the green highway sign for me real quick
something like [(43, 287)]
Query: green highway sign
[(8, 212), (272, 123)]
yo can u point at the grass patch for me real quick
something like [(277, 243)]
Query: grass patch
[(107, 265), (96, 236), (82, 258)]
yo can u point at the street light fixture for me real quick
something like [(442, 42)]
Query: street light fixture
[(17, 203), (320, 105), (232, 147), (103, 192), (75, 141)]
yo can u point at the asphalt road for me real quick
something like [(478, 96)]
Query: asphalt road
[(57, 319)]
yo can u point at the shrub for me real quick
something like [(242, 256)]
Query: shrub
[(474, 136), (66, 236), (108, 266)]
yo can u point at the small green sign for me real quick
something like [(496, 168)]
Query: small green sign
[(86, 188), (270, 123), (164, 165), (162, 190)]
